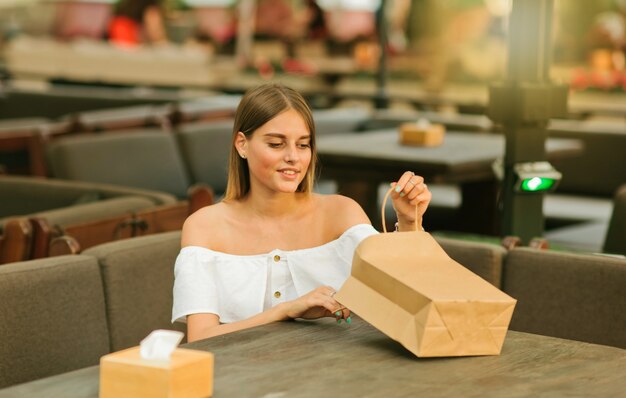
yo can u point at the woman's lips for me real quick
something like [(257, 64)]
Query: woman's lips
[(289, 173)]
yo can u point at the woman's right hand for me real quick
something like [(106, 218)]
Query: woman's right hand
[(316, 304)]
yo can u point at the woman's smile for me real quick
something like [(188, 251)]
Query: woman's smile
[(289, 173)]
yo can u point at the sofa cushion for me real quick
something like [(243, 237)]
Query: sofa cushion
[(138, 279), (53, 317)]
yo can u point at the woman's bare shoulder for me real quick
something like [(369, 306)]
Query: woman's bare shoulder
[(198, 227), (344, 212)]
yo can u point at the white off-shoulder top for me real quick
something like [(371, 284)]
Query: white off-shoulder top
[(237, 287)]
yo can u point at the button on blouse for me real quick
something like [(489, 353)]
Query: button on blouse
[(280, 285)]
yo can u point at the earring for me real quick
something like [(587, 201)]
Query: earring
[(243, 156)]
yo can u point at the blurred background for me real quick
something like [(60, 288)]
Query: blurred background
[(433, 42)]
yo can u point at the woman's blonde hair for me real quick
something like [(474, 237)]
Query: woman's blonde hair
[(258, 106)]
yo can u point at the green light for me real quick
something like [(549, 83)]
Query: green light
[(536, 184)]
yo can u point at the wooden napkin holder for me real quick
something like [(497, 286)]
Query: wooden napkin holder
[(418, 135), (188, 373)]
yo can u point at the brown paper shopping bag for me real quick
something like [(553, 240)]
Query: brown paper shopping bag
[(406, 286)]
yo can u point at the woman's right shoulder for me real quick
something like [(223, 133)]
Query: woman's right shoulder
[(198, 227)]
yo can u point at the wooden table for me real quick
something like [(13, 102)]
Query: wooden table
[(322, 359), (360, 162)]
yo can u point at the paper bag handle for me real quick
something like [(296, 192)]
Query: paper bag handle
[(418, 218)]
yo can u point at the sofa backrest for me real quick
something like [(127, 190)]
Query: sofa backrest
[(140, 159), (568, 295), (615, 241), (26, 195), (340, 120), (597, 171), (21, 195), (205, 147), (57, 100), (138, 279), (483, 259), (128, 117), (53, 317)]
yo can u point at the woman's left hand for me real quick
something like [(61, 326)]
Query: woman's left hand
[(410, 191)]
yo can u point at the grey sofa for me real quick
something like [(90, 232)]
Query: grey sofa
[(568, 295), (138, 276), (63, 313), (53, 317), (60, 204)]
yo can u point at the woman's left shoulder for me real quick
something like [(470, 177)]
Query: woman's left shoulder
[(343, 211)]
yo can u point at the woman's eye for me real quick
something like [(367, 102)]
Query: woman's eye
[(304, 146), (274, 144)]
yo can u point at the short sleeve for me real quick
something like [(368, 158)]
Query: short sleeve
[(351, 238), (194, 285)]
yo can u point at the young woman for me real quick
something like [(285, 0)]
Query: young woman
[(273, 250)]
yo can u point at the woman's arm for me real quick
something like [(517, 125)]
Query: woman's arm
[(202, 326), (318, 303)]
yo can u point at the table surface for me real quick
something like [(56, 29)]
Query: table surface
[(321, 358), (462, 155)]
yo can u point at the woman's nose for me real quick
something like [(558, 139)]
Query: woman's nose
[(291, 153)]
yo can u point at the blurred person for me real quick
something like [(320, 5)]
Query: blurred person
[(398, 15), (216, 20), (350, 20), (314, 20), (608, 39), (138, 21), (278, 19), (470, 44)]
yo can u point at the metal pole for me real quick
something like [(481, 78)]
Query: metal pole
[(245, 33), (381, 101), (523, 104)]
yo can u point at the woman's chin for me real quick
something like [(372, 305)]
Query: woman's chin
[(288, 187)]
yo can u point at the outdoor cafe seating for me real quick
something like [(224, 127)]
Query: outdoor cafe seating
[(108, 143)]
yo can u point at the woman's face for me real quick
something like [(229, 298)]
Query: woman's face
[(278, 152)]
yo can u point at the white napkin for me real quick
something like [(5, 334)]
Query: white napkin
[(423, 123), (160, 344)]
